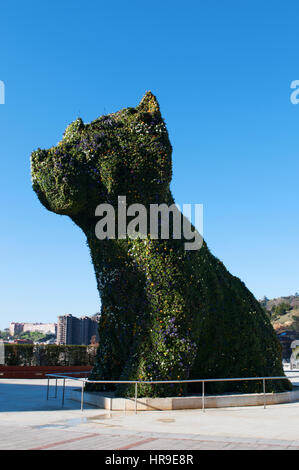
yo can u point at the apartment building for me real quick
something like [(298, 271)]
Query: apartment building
[(73, 330)]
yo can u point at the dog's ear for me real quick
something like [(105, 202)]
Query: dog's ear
[(149, 104)]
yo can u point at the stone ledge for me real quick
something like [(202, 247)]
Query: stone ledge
[(107, 401)]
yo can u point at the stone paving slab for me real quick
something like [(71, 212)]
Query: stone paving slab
[(29, 421), (73, 439)]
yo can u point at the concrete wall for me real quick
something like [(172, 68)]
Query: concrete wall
[(108, 402)]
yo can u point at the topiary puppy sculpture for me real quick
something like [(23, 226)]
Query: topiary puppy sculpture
[(167, 313)]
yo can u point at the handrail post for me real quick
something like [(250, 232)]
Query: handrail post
[(135, 397), (264, 390), (82, 394), (63, 392), (48, 388), (56, 388), (203, 396)]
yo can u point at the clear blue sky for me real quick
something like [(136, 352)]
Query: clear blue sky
[(221, 71)]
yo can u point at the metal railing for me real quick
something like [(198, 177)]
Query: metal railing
[(85, 380), (66, 376)]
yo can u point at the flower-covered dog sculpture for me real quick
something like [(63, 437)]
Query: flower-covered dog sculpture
[(167, 313)]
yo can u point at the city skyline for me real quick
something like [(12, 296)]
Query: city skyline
[(22, 326)]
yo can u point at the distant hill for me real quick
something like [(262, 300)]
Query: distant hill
[(284, 316), (283, 312)]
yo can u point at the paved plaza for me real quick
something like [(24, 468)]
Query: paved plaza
[(29, 421)]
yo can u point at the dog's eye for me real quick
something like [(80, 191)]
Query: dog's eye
[(131, 111), (146, 117)]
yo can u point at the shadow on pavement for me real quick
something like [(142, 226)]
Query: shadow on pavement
[(27, 397)]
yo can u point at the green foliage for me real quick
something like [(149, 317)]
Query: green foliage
[(19, 355), (280, 309), (48, 355), (167, 313), (295, 319), (34, 336), (4, 334)]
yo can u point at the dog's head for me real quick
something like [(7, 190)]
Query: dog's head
[(127, 153)]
